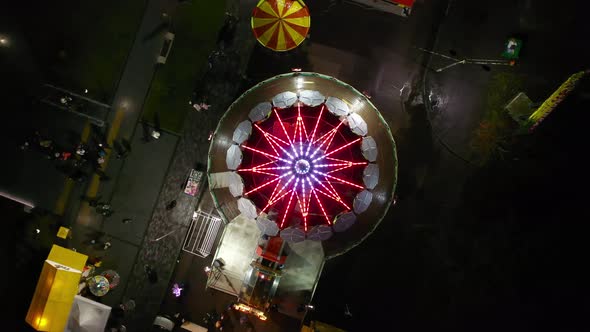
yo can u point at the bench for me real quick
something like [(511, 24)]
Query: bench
[(166, 47)]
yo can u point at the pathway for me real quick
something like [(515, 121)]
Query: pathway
[(152, 175)]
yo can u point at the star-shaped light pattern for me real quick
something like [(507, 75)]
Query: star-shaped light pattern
[(302, 164)]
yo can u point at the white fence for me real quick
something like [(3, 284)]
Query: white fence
[(201, 234)]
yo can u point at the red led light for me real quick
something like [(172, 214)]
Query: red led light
[(302, 166)]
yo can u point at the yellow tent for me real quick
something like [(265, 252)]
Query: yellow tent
[(56, 288)]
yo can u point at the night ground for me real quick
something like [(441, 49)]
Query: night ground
[(487, 227)]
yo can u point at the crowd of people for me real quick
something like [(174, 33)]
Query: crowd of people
[(78, 161)]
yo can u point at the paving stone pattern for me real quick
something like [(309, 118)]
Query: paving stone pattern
[(191, 152)]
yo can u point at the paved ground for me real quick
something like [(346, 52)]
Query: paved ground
[(151, 193), (432, 172), (430, 175), (26, 170), (149, 178), (136, 189), (131, 246), (473, 31)]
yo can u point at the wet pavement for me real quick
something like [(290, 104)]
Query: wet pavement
[(417, 275), (456, 96)]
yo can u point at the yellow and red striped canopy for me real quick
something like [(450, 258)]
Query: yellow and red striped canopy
[(280, 25)]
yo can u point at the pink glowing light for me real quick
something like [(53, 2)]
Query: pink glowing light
[(301, 166), (177, 290)]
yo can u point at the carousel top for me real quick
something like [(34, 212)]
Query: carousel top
[(303, 154)]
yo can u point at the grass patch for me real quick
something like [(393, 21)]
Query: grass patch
[(195, 26), (493, 131), (84, 44)]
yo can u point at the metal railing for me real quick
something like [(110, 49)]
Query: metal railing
[(201, 234)]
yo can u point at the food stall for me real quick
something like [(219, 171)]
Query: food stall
[(56, 289)]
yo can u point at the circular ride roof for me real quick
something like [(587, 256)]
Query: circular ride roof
[(303, 160)]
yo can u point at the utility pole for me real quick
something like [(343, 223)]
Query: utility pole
[(483, 62)]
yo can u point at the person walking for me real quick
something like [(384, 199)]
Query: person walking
[(25, 146), (126, 144), (103, 205), (95, 165), (53, 155), (78, 175), (104, 209), (95, 260), (171, 205), (65, 155), (151, 274), (102, 175), (81, 149), (146, 132), (46, 143), (92, 201), (99, 137), (126, 220), (101, 151), (119, 149)]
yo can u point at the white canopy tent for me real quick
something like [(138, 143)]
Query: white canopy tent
[(247, 208), (242, 132), (344, 221), (284, 99), (357, 124), (337, 106), (260, 112), (371, 175), (311, 97), (293, 234), (267, 226), (233, 157), (362, 201), (319, 233), (87, 316), (236, 184), (369, 148)]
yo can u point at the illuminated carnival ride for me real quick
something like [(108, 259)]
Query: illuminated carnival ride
[(305, 156)]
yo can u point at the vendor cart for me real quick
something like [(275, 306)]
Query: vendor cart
[(512, 49)]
